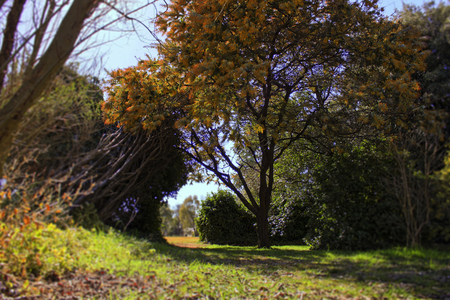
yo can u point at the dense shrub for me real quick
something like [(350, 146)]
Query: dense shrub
[(438, 229), (348, 205), (221, 221), (139, 213), (288, 223)]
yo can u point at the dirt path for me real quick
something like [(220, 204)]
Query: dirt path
[(185, 242)]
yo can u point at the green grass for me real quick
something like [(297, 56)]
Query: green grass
[(161, 271)]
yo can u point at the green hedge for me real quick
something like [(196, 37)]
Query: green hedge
[(221, 221)]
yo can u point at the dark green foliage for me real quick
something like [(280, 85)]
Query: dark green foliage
[(147, 221), (55, 136), (290, 213), (347, 205), (438, 230), (140, 211), (288, 223), (432, 19), (222, 221)]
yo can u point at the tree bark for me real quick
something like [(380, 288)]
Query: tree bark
[(263, 229), (42, 74)]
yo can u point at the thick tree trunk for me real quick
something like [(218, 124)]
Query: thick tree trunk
[(42, 74), (265, 192), (263, 230)]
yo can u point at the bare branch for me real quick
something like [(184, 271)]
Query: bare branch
[(8, 36), (47, 15)]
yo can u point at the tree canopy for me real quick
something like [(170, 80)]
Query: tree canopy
[(246, 79)]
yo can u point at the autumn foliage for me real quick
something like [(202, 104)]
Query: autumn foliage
[(262, 75)]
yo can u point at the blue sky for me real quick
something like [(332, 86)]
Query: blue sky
[(126, 51)]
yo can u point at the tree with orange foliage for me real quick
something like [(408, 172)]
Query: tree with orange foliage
[(247, 79)]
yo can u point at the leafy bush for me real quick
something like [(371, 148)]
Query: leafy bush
[(46, 251), (221, 221), (86, 216), (288, 223), (139, 212), (39, 249), (438, 230), (348, 204)]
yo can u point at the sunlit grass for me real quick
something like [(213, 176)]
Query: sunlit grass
[(186, 241), (284, 272)]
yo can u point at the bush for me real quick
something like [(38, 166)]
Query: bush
[(39, 249), (349, 207), (221, 221), (288, 223), (86, 216)]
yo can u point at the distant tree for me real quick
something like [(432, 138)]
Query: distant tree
[(188, 212), (177, 227), (167, 220)]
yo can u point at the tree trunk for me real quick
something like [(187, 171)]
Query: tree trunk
[(263, 229), (42, 75), (265, 192)]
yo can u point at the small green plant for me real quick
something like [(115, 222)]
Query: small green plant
[(86, 216)]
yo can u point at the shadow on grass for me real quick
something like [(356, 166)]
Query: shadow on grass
[(424, 272)]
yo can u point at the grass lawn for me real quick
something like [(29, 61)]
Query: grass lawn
[(111, 266)]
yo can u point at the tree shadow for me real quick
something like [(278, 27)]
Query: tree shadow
[(426, 273)]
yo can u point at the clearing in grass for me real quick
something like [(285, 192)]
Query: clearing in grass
[(185, 241)]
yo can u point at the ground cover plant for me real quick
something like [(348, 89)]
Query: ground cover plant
[(93, 265)]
